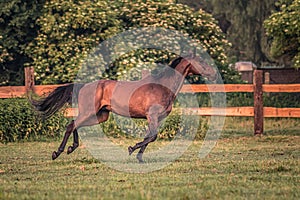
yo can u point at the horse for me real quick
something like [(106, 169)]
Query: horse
[(150, 98)]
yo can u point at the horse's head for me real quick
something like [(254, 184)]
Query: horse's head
[(197, 66)]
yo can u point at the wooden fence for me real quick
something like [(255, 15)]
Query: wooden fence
[(258, 111)]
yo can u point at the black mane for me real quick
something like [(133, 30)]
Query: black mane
[(167, 71), (175, 62)]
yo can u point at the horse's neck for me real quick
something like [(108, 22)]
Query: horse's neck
[(181, 72), (173, 79), (174, 82)]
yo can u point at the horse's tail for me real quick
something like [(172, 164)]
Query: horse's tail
[(56, 99)]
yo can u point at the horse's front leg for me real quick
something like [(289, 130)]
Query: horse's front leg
[(61, 148), (139, 155), (150, 137), (143, 145)]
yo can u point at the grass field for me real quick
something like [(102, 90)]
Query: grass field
[(240, 167)]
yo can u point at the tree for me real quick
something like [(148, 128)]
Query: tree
[(18, 28), (242, 22), (284, 29), (70, 30)]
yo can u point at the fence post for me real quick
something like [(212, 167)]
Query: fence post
[(29, 78), (258, 102)]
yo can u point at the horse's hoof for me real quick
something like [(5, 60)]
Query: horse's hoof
[(141, 161), (139, 156), (70, 149), (54, 155), (130, 150)]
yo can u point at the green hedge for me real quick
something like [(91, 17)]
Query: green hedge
[(19, 122), (173, 126)]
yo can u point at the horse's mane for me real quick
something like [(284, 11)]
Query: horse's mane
[(175, 62), (168, 70)]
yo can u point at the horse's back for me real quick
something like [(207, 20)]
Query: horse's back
[(95, 95)]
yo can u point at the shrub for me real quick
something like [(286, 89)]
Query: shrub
[(175, 125), (19, 122), (69, 31)]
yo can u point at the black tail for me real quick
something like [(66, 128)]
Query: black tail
[(57, 99)]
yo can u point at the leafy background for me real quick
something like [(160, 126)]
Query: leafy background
[(55, 36)]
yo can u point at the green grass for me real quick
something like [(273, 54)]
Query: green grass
[(244, 167)]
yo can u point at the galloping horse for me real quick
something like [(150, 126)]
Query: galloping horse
[(150, 98)]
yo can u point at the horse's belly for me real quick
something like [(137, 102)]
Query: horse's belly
[(127, 108), (121, 102)]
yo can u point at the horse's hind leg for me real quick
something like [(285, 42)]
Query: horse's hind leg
[(102, 116), (61, 148), (82, 120), (75, 142)]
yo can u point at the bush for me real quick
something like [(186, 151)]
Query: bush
[(70, 30), (175, 125), (19, 122)]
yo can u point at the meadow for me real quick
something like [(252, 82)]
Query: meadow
[(241, 166)]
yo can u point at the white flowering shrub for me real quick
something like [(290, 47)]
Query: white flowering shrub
[(70, 29), (199, 26)]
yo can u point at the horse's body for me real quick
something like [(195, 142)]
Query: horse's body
[(150, 98)]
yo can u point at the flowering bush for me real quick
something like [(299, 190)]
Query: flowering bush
[(71, 29), (200, 26)]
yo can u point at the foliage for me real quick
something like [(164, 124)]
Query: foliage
[(278, 100), (282, 100), (70, 29), (242, 22), (284, 29), (18, 28), (19, 122), (240, 99), (175, 125), (199, 26)]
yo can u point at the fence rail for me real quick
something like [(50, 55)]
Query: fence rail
[(257, 88), (227, 112), (20, 91)]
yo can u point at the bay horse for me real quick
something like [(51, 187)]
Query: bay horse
[(150, 98)]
